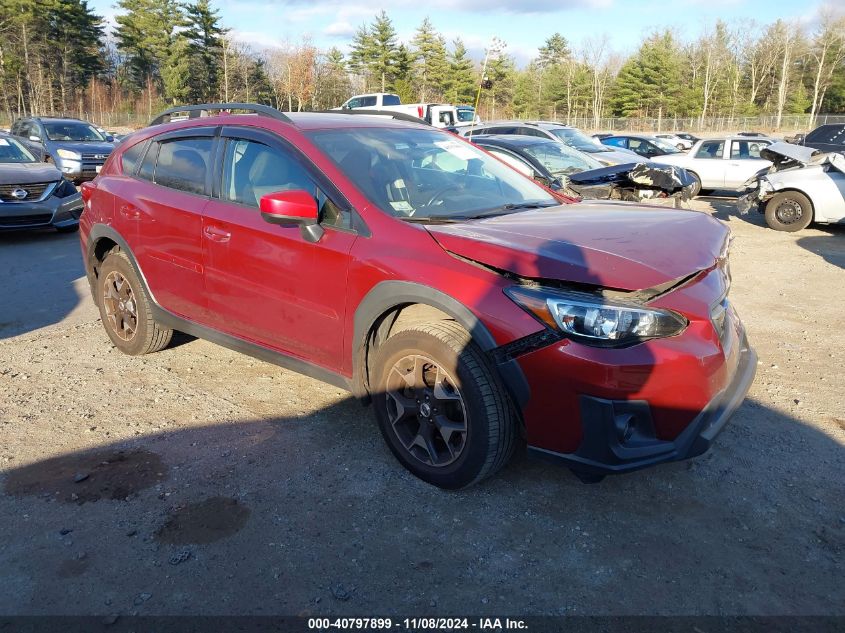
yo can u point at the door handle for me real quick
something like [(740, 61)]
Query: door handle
[(129, 212), (216, 234)]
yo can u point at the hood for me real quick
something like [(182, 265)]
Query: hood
[(84, 147), (27, 173), (666, 178), (777, 152), (625, 248)]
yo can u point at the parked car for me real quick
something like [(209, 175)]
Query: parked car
[(803, 185), (34, 194), (465, 301), (78, 149), (565, 134), (678, 141), (641, 144), (721, 163), (440, 115), (827, 138), (563, 168), (687, 137)]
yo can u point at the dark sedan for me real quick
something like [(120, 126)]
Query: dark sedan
[(644, 145), (34, 194)]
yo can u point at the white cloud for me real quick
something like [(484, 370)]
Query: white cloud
[(339, 29)]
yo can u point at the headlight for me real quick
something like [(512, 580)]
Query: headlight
[(765, 187), (596, 321), (70, 155)]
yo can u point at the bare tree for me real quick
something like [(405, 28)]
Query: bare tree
[(827, 51)]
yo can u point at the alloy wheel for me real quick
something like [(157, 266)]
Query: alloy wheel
[(426, 410), (120, 306)]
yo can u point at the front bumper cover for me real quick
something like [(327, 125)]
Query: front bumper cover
[(619, 435), (56, 212)]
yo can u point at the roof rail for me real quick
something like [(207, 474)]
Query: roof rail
[(201, 110), (399, 116)]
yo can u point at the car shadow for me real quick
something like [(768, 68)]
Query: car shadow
[(42, 279), (830, 247)]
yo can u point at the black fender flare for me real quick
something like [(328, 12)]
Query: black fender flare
[(387, 295), (99, 232)]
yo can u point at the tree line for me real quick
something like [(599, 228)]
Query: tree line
[(56, 56)]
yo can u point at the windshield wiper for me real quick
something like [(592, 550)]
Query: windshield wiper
[(431, 219), (507, 208)]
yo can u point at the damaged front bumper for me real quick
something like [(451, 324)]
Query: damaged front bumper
[(754, 197), (635, 182)]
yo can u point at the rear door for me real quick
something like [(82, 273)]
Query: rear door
[(744, 161), (709, 163), (267, 283), (172, 187)]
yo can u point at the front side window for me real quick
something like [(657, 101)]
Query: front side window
[(711, 149), (425, 174), (252, 170), (183, 164), (13, 152), (72, 131)]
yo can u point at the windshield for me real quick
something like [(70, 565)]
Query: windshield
[(71, 131), (578, 140), (561, 159), (13, 152), (419, 174), (466, 115)]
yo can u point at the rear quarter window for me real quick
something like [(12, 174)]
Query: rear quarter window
[(390, 100), (130, 159)]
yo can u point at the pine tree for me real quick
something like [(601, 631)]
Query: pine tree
[(205, 51), (463, 84), (431, 66), (384, 49)]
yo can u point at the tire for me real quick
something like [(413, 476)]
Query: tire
[(789, 211), (133, 336), (696, 187), (469, 424)]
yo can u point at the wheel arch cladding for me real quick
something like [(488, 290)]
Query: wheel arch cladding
[(384, 310), (101, 240)]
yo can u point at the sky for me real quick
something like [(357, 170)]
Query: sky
[(522, 24)]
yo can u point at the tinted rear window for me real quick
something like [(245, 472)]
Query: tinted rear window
[(183, 163), (130, 158), (391, 100), (828, 134)]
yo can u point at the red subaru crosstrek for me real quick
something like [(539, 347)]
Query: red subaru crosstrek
[(470, 305)]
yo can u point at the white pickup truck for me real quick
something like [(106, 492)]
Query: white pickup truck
[(436, 114)]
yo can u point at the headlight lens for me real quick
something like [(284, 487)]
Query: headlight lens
[(596, 321), (70, 155)]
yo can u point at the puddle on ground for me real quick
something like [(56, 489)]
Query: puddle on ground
[(81, 477), (203, 522)]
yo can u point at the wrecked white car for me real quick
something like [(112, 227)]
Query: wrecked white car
[(803, 185)]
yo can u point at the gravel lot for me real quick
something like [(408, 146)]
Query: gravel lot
[(197, 480)]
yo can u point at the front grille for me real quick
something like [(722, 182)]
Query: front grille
[(25, 220), (96, 157), (89, 172), (34, 191)]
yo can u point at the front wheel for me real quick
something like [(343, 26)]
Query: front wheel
[(789, 211), (440, 406), (695, 189)]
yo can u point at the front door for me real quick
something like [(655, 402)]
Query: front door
[(744, 161), (267, 283)]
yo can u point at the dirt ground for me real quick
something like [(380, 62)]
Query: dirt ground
[(200, 481)]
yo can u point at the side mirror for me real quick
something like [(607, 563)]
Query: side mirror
[(289, 208), (109, 138), (33, 137)]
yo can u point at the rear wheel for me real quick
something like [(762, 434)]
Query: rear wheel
[(440, 407), (789, 211), (125, 308)]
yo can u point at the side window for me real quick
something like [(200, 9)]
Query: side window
[(741, 150), (530, 131), (390, 100), (252, 170), (148, 166), (130, 159), (368, 102), (711, 149), (353, 103), (183, 163), (513, 161)]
